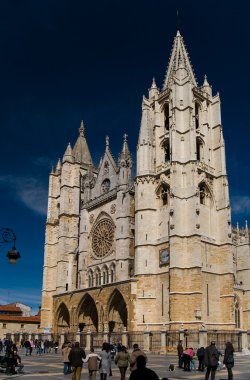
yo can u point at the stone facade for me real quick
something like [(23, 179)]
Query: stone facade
[(157, 252)]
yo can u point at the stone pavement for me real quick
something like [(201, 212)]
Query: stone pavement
[(50, 366)]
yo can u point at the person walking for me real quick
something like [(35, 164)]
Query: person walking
[(105, 367), (180, 353), (27, 346), (133, 357), (229, 359), (187, 358), (92, 360), (65, 353), (211, 359), (75, 357), (122, 361)]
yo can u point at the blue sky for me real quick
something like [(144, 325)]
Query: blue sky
[(63, 61)]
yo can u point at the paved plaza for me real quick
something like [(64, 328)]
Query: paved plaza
[(50, 366)]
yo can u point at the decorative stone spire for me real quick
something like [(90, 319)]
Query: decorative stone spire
[(82, 129), (68, 155), (153, 90), (81, 150), (146, 129), (206, 86), (179, 59), (52, 170), (58, 166), (125, 153), (107, 142)]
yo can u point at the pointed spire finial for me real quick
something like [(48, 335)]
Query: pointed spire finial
[(178, 23), (82, 129), (107, 141), (246, 226), (125, 136), (153, 84)]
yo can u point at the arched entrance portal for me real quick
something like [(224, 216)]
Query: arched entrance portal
[(63, 319), (117, 312), (88, 315)]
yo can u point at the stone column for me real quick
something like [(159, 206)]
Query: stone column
[(146, 341), (244, 342), (163, 342), (181, 335), (62, 339), (105, 333), (125, 337), (78, 337), (203, 338), (88, 340)]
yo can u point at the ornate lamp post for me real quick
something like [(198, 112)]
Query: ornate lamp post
[(7, 235)]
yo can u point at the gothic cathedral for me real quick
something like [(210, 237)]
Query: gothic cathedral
[(156, 251)]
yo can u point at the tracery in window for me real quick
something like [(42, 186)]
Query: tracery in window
[(164, 194), (102, 238), (204, 194)]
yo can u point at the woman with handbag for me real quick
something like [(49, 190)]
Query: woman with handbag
[(229, 359)]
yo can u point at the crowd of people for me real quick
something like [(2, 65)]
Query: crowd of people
[(208, 359), (74, 357)]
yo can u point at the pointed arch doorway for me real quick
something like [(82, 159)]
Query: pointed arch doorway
[(117, 313)]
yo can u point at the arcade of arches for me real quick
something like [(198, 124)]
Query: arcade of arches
[(94, 312)]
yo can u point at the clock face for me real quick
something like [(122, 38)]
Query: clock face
[(164, 256)]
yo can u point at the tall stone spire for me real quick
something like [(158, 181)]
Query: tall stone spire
[(81, 150), (125, 153), (179, 59)]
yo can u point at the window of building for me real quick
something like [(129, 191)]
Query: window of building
[(166, 149), (4, 325), (199, 147), (164, 194), (166, 117), (237, 315), (197, 116), (22, 326)]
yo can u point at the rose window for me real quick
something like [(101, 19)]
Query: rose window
[(103, 237)]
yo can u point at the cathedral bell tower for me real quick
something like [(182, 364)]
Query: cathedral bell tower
[(182, 211)]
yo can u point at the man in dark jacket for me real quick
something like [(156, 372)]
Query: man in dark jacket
[(142, 372), (211, 359), (75, 357)]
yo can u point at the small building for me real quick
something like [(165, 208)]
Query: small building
[(17, 323)]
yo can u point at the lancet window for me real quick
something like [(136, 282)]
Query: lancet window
[(166, 117), (197, 116), (204, 194), (166, 149), (199, 149), (237, 314)]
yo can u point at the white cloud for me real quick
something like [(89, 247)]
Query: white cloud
[(29, 191), (240, 204)]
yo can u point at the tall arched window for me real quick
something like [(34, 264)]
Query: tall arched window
[(237, 314), (91, 279), (197, 116), (112, 273), (199, 148), (166, 149), (166, 117)]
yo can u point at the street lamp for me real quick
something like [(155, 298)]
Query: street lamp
[(7, 235)]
